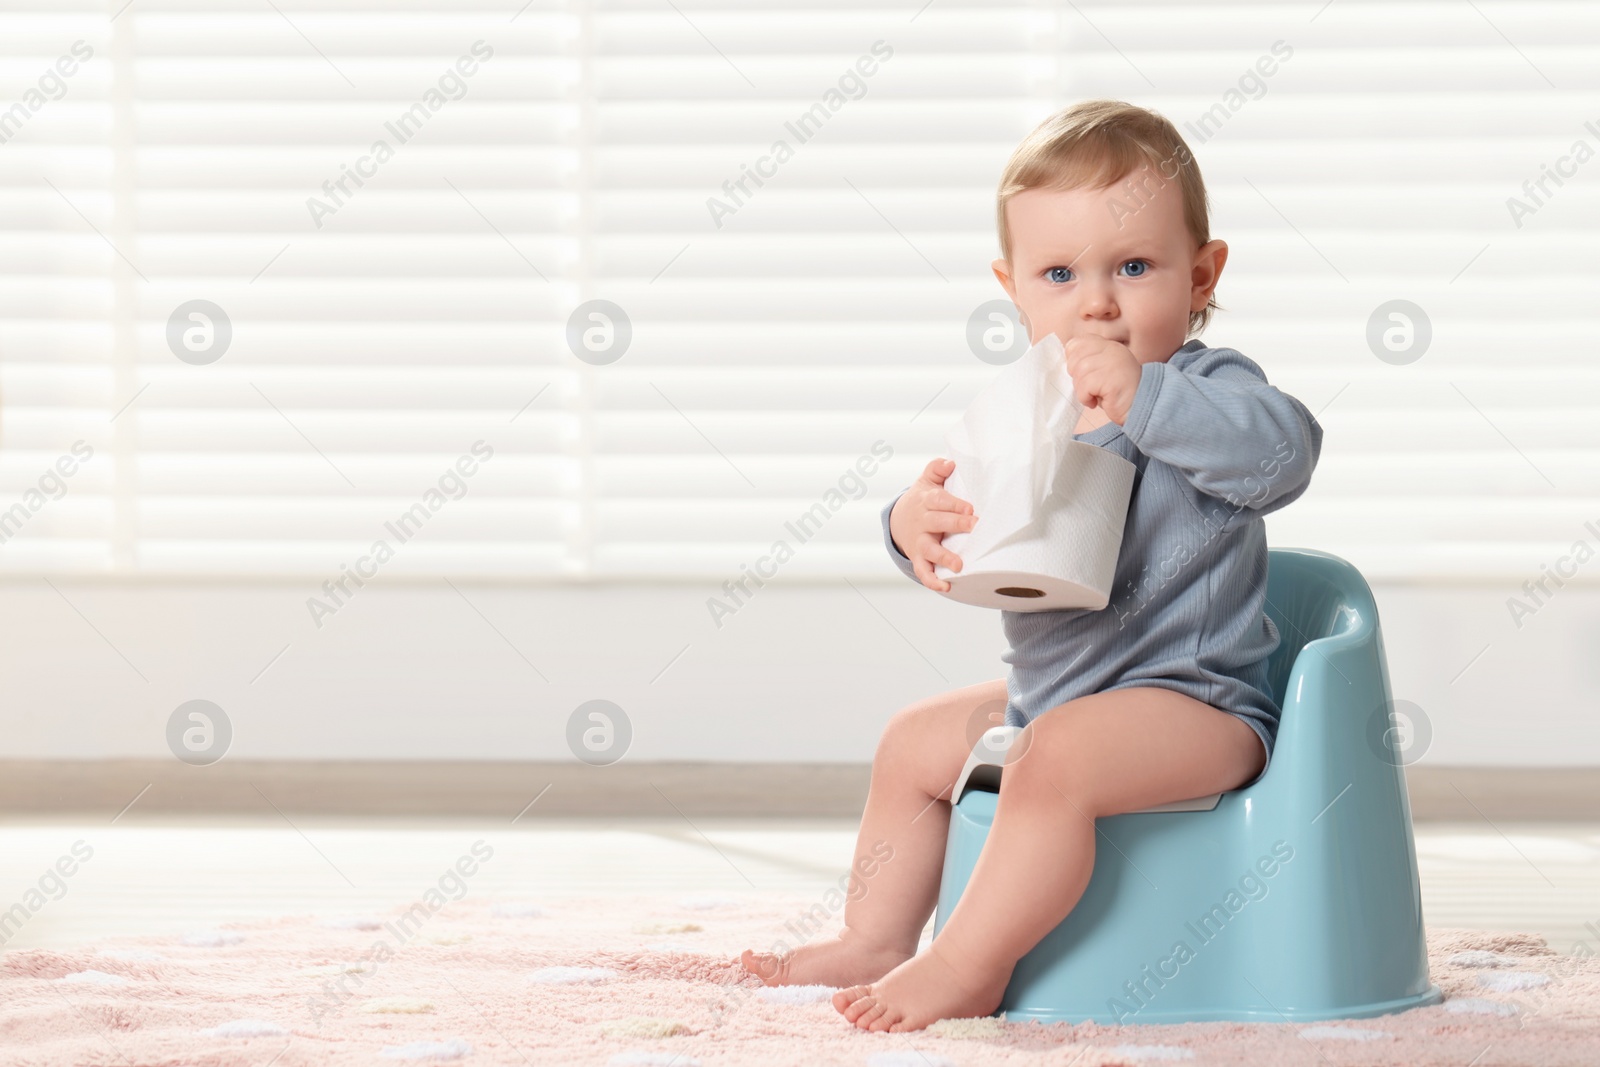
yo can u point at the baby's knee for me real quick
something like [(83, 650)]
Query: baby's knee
[(906, 732), (1056, 752), (929, 739)]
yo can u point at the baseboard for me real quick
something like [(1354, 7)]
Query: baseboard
[(1476, 794), (529, 791), (424, 789)]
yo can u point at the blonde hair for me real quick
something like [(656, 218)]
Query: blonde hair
[(1092, 145)]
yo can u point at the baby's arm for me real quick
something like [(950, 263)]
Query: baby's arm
[(1234, 436)]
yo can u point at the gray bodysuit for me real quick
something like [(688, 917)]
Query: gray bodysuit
[(1216, 448)]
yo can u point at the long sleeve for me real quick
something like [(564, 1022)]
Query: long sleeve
[(899, 558), (1232, 435)]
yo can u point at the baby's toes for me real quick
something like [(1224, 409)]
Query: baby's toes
[(877, 1017), (763, 965), (853, 1001)]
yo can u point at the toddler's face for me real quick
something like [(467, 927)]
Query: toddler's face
[(1109, 262)]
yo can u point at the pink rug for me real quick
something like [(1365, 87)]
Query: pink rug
[(651, 981)]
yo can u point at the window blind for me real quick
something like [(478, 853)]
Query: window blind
[(680, 290), (58, 303)]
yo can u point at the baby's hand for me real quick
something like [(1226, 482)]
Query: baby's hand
[(1105, 374), (922, 516)]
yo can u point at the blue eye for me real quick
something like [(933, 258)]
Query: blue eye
[(1135, 268), (1059, 275)]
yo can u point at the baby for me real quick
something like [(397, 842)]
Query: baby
[(1160, 696)]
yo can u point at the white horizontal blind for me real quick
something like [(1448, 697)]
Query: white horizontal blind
[(58, 294), (392, 375), (780, 328), (384, 324)]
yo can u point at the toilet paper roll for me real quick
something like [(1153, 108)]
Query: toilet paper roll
[(1067, 557)]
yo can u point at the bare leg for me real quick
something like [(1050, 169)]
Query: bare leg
[(899, 855), (1104, 754)]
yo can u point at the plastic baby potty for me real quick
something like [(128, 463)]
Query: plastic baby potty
[(1293, 899)]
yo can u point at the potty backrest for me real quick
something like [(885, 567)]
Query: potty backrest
[(1309, 596)]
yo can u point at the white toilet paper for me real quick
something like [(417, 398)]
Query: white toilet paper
[(1050, 509)]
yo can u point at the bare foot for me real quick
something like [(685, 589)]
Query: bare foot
[(920, 991), (835, 961)]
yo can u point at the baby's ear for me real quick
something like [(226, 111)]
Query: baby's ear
[(1002, 272), (1209, 259)]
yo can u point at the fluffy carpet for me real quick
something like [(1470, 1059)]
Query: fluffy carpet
[(651, 981)]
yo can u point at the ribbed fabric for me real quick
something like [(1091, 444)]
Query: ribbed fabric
[(1216, 448)]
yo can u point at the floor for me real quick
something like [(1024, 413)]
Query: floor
[(154, 877)]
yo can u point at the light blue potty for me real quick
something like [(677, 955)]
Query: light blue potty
[(1294, 899)]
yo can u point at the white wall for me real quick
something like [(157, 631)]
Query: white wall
[(805, 672)]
